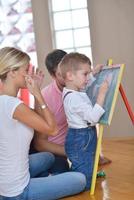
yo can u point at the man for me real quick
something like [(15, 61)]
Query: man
[(53, 97)]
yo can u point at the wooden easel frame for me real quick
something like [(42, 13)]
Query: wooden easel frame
[(101, 128), (98, 149)]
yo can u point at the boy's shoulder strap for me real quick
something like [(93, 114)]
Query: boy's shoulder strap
[(66, 94)]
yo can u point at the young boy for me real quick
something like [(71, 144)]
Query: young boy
[(81, 138)]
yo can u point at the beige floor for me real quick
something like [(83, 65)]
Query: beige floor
[(119, 181)]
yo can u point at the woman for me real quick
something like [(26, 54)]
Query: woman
[(18, 170)]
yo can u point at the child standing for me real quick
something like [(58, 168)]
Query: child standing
[(81, 116)]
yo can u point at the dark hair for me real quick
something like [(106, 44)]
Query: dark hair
[(53, 59)]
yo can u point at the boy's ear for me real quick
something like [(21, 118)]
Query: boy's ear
[(69, 76)]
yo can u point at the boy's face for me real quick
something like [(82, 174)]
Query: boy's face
[(81, 76)]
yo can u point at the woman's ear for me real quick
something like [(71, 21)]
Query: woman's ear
[(12, 73)]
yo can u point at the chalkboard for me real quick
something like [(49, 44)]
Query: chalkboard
[(115, 74)]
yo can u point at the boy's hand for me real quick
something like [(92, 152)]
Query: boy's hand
[(102, 93), (97, 69), (106, 83), (109, 78), (103, 89)]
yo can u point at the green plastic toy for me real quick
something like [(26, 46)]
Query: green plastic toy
[(101, 174)]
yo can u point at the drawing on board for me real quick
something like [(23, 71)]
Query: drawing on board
[(114, 75)]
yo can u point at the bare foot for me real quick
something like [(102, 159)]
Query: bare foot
[(104, 161)]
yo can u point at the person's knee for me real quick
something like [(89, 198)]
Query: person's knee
[(50, 156), (80, 180), (47, 157)]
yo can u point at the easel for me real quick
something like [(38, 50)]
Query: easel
[(124, 97), (101, 128)]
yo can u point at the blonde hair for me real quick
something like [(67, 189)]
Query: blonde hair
[(10, 59), (71, 62)]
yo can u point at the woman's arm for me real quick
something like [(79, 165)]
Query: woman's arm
[(39, 123), (43, 122)]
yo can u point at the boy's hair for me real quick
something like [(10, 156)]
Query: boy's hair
[(52, 60), (11, 59), (72, 61)]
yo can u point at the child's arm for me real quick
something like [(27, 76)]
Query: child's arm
[(97, 111), (97, 69), (102, 94), (103, 90), (94, 71)]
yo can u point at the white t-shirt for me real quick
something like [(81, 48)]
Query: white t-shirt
[(79, 109), (15, 138)]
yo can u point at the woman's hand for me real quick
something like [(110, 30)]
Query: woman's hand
[(34, 81), (38, 76)]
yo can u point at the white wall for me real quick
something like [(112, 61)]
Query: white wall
[(43, 34), (112, 36)]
